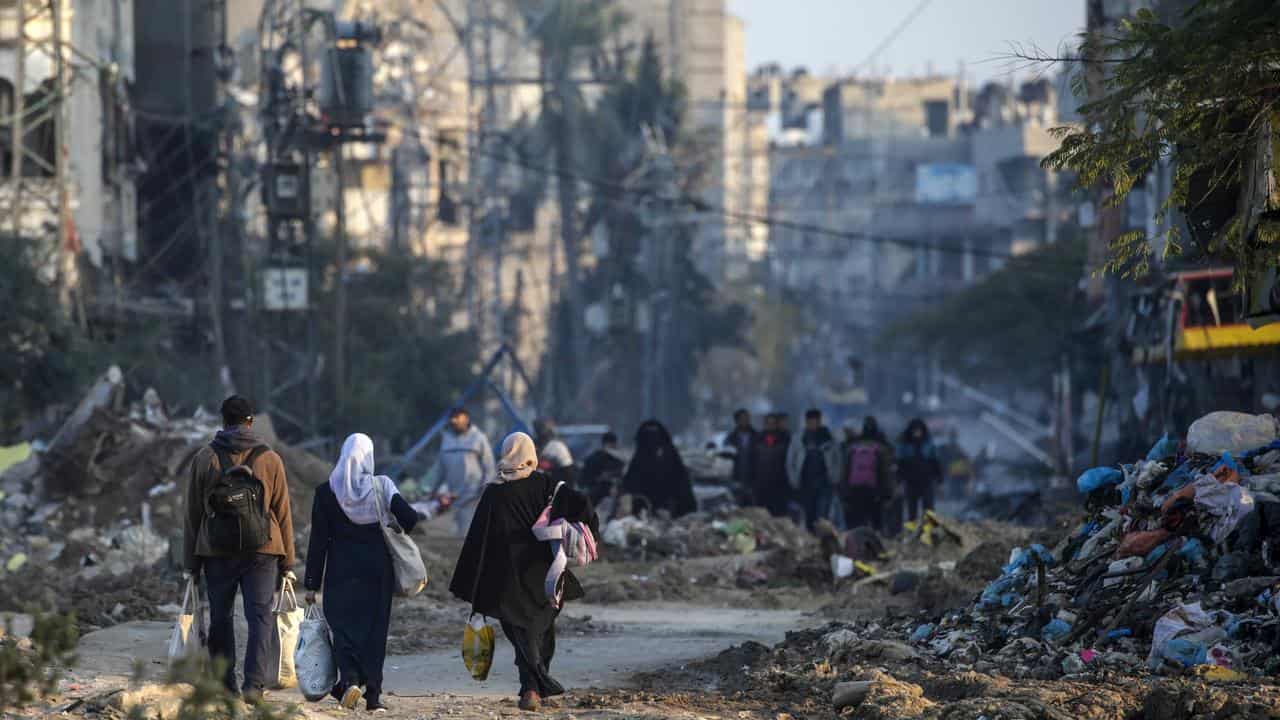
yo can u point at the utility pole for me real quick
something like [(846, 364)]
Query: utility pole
[(340, 321)]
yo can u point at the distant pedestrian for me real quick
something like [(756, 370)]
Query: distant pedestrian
[(919, 470), (347, 556), (956, 466), (464, 465), (658, 473), (554, 457), (867, 486), (769, 485), (239, 533), (602, 469), (814, 467), (503, 567), (741, 438)]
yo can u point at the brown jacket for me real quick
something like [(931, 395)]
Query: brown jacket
[(268, 468)]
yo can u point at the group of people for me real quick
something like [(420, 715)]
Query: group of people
[(238, 538), (861, 479), (239, 531)]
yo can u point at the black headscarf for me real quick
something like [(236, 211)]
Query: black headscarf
[(908, 435), (658, 473)]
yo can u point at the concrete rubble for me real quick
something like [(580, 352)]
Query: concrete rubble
[(92, 520)]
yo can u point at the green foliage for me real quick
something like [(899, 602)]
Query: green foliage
[(405, 366), (28, 673), (1011, 327), (1199, 90)]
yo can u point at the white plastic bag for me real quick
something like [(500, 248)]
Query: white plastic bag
[(313, 659), (289, 615), (190, 632), (1233, 432)]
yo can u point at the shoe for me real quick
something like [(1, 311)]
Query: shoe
[(337, 692), (351, 697), (376, 706), (530, 702), (253, 697)]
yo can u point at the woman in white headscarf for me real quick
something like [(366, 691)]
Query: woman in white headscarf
[(348, 558), (503, 567)]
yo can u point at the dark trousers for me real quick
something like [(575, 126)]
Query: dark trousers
[(862, 508), (255, 576), (919, 499), (534, 651)]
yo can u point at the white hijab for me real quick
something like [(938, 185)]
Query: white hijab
[(519, 458), (352, 481)]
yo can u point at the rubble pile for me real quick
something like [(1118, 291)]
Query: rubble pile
[(93, 521), (867, 671), (734, 531), (1170, 571)]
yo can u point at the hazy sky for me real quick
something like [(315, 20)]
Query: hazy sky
[(824, 34)]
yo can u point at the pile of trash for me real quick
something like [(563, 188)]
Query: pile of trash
[(1171, 570), (96, 512)]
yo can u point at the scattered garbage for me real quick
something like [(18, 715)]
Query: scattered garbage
[(1173, 561)]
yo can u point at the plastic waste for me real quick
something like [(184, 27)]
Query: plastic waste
[(1055, 630), (1219, 674), (1094, 478), (922, 633), (1166, 447), (1234, 432), (1227, 503), (1186, 652), (1141, 543), (1121, 570), (1192, 551), (1185, 633)]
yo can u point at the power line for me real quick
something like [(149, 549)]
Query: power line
[(893, 34)]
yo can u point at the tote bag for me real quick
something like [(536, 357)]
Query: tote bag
[(190, 631), (289, 614), (406, 559)]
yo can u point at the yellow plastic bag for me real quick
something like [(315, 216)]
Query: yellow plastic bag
[(477, 648)]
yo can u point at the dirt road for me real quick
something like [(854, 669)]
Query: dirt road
[(625, 640)]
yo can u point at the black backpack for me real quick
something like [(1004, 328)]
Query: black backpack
[(235, 506)]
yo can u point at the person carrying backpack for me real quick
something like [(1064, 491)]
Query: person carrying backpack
[(867, 477), (239, 534)]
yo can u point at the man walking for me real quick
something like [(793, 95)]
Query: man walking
[(465, 464), (239, 534), (741, 438), (602, 469), (814, 467)]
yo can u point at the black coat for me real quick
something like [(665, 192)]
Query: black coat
[(658, 473), (502, 568)]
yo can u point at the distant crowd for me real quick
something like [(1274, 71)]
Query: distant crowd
[(859, 480)]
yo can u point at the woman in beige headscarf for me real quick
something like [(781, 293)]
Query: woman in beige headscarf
[(502, 567)]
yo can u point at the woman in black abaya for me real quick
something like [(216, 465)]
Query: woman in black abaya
[(658, 473), (502, 568), (347, 557)]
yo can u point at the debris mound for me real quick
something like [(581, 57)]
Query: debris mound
[(92, 521)]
